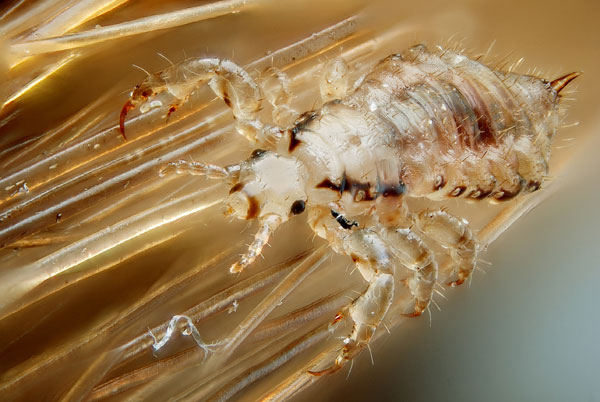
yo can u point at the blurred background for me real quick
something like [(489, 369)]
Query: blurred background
[(96, 250)]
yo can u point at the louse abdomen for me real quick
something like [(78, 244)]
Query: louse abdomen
[(459, 128)]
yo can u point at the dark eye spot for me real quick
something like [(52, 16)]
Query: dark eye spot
[(298, 207), (257, 153)]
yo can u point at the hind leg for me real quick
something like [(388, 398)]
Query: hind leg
[(453, 234), (375, 254)]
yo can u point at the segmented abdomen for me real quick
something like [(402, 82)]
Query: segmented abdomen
[(458, 127)]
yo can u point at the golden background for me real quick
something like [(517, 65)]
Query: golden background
[(527, 330)]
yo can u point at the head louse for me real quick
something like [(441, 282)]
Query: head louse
[(423, 123)]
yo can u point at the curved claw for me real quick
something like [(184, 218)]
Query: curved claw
[(333, 369), (413, 314), (455, 283), (171, 110), (126, 108)]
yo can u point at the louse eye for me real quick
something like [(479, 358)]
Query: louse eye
[(298, 207)]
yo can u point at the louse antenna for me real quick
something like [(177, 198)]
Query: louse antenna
[(142, 69), (560, 83), (268, 225), (166, 59)]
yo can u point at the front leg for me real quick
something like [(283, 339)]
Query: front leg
[(455, 235), (373, 260), (228, 81), (371, 255)]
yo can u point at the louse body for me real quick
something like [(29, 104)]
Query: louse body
[(425, 123)]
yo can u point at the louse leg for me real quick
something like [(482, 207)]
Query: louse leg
[(412, 253), (275, 85), (334, 80), (229, 81), (374, 261), (455, 235), (375, 256)]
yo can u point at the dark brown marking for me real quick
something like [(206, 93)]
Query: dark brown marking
[(294, 142), (363, 191), (344, 183), (457, 191), (391, 190), (237, 187), (226, 99), (328, 184), (304, 120), (354, 187), (253, 208), (533, 186)]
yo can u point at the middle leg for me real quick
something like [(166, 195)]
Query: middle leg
[(453, 234)]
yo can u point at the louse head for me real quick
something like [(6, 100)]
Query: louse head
[(269, 188), (268, 185)]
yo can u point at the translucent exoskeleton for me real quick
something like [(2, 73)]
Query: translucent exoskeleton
[(425, 123)]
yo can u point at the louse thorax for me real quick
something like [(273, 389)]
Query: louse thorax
[(350, 163), (268, 186)]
